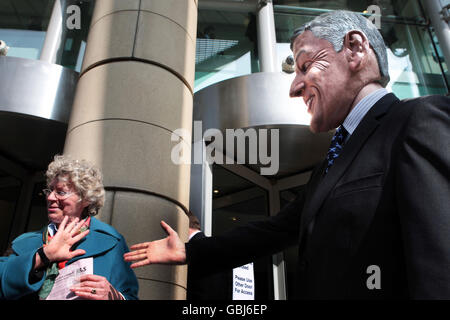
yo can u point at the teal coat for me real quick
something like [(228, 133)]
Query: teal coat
[(103, 242), (2, 266)]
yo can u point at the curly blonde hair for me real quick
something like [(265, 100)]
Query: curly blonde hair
[(83, 176)]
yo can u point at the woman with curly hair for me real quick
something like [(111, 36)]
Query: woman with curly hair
[(74, 195)]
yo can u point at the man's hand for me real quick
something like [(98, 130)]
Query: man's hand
[(169, 250)]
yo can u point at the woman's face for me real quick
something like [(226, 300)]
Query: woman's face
[(63, 200)]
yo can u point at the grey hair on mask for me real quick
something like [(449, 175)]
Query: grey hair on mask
[(333, 26)]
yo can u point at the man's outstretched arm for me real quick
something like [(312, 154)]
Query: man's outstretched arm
[(234, 248)]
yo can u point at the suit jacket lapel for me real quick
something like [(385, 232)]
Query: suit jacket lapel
[(325, 184)]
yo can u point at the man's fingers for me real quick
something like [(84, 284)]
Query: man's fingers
[(139, 246), (136, 257), (168, 229), (135, 253), (140, 264)]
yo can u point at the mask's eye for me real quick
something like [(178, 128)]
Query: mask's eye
[(305, 66)]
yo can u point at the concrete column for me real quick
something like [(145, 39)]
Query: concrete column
[(135, 90)]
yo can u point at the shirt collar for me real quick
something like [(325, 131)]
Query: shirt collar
[(360, 110), (193, 234), (52, 229)]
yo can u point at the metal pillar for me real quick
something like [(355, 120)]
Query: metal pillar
[(200, 195), (54, 33), (233, 6), (437, 13), (266, 37)]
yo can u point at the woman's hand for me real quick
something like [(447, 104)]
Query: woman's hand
[(67, 235), (95, 287)]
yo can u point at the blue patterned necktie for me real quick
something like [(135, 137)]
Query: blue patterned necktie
[(337, 143)]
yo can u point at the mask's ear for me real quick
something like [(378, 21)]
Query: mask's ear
[(357, 48)]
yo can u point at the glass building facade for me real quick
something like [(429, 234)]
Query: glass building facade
[(227, 48), (227, 39), (416, 62), (25, 28), (24, 25)]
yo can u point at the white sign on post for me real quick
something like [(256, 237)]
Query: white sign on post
[(244, 283)]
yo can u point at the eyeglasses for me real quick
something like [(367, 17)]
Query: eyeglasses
[(60, 195)]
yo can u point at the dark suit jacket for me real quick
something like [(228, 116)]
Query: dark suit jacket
[(384, 203), (202, 286)]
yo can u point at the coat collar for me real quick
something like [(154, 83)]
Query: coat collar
[(325, 184), (101, 238)]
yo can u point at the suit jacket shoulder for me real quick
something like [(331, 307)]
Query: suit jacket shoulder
[(197, 236)]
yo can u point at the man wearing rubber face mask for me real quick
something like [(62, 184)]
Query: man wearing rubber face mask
[(373, 220)]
